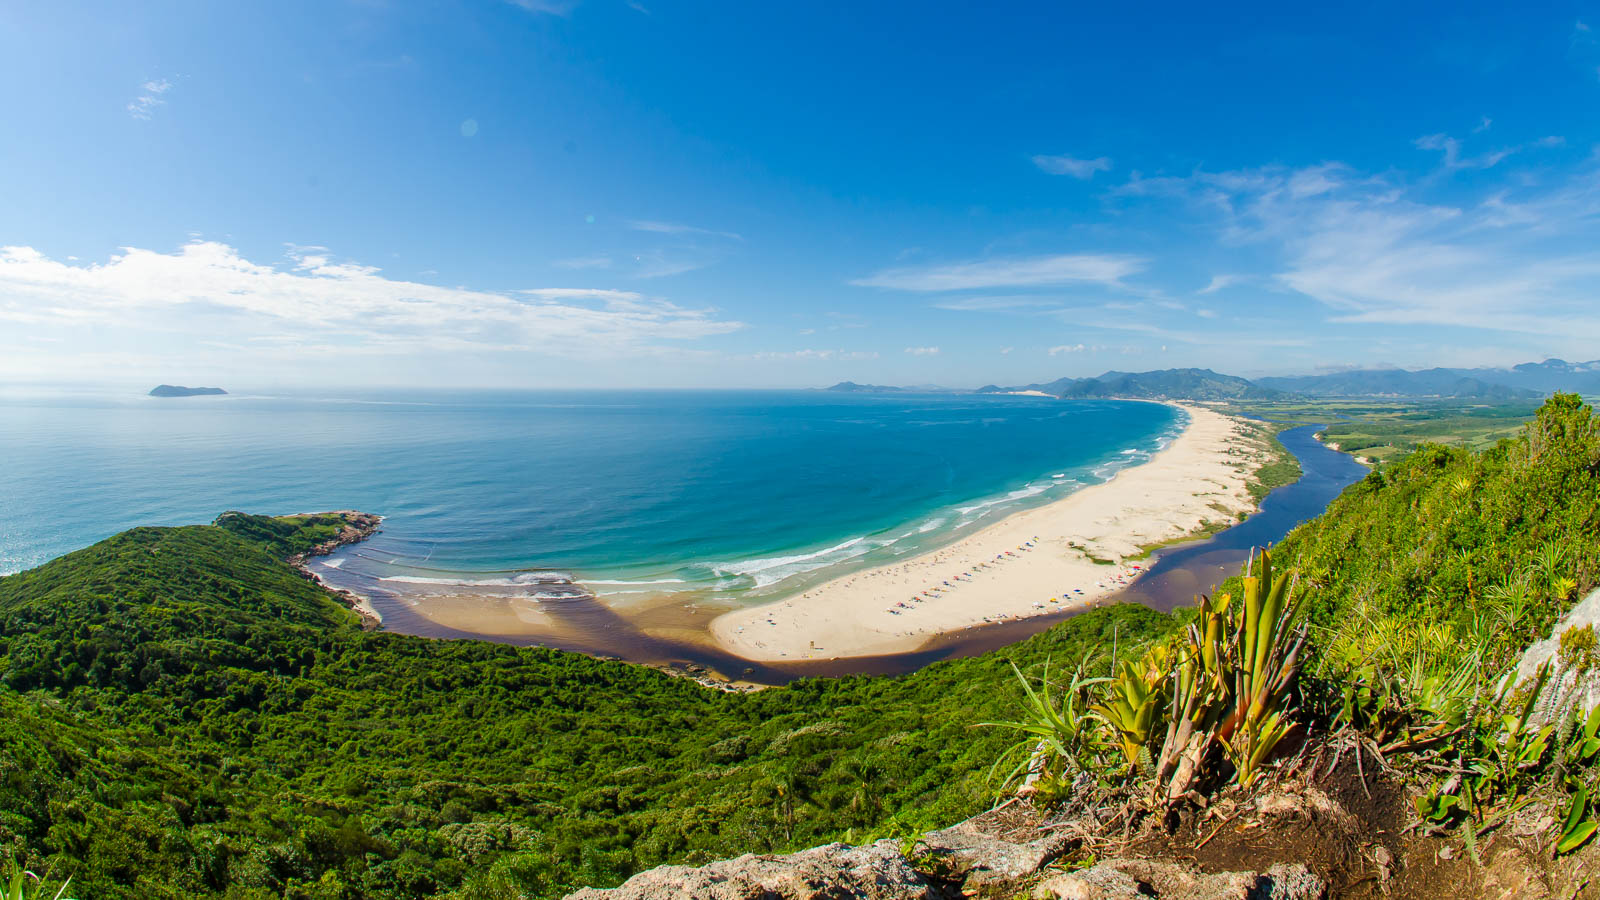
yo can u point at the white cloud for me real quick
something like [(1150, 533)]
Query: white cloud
[(1379, 249), (1027, 271), (142, 106), (1067, 165), (1003, 301), (923, 351), (1218, 282), (676, 228), (1067, 348), (809, 354), (553, 7), (1006, 351), (208, 292)]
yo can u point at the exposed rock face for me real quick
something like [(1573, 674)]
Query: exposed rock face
[(980, 857), (1574, 676), (982, 860), (1139, 879), (876, 872)]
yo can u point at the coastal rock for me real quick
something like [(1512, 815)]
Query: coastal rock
[(876, 872), (1575, 674)]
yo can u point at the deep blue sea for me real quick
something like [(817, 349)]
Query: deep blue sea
[(738, 492)]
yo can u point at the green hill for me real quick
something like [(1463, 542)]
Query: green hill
[(1166, 384), (184, 715)]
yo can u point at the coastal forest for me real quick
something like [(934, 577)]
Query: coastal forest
[(184, 714)]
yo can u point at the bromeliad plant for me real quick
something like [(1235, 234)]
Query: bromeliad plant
[(1232, 683), (1058, 737), (1221, 693), (1133, 703)]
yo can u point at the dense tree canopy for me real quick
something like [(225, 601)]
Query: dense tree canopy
[(183, 714)]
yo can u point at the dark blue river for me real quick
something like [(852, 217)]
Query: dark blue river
[(1182, 571)]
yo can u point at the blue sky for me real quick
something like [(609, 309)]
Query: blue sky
[(653, 193)]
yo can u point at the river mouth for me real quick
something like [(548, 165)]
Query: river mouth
[(669, 629)]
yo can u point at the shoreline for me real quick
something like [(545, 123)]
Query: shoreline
[(358, 527), (1062, 557)]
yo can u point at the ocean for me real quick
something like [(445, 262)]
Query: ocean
[(741, 495)]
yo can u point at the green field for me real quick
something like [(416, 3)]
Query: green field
[(1383, 429)]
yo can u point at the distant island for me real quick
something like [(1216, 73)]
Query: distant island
[(178, 390), (850, 387)]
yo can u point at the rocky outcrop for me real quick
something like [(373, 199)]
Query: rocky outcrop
[(1142, 879), (998, 854), (1571, 653), (831, 872), (358, 526)]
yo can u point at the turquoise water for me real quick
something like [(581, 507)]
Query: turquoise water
[(739, 493)]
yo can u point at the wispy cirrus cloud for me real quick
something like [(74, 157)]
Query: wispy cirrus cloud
[(1011, 272), (207, 294), (681, 229), (1072, 166), (1516, 258), (550, 7), (1218, 282), (810, 354), (923, 351), (152, 94), (1000, 301)]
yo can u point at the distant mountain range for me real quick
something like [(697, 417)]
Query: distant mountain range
[(1527, 381), (1167, 384), (1397, 383)]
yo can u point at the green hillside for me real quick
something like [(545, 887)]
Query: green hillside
[(183, 715)]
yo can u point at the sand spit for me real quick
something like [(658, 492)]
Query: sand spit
[(1066, 555)]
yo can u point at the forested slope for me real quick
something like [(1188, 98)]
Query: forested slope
[(184, 715)]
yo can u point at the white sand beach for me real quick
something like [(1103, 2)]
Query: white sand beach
[(1034, 562)]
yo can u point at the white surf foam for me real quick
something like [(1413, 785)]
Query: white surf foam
[(625, 582), (773, 569), (524, 578)]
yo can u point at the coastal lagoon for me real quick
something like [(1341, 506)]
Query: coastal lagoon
[(733, 497)]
